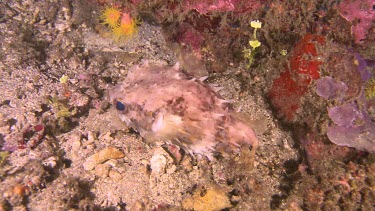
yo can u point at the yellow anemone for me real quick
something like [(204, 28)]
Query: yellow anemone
[(126, 28), (111, 17)]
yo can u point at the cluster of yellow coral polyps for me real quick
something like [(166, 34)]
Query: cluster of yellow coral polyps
[(120, 23), (127, 27)]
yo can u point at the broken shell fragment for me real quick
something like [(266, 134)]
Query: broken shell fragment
[(101, 157), (158, 163)]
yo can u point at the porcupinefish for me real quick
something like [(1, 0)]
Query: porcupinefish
[(165, 104)]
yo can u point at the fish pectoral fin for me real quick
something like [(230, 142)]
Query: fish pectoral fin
[(167, 126)]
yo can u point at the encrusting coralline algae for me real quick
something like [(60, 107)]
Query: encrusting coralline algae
[(164, 104)]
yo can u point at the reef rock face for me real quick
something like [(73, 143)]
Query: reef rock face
[(164, 104)]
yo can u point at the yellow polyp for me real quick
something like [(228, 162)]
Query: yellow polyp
[(127, 28), (356, 62), (254, 43), (64, 79), (123, 31), (111, 17), (256, 24), (283, 52)]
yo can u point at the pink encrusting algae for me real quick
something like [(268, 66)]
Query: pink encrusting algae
[(361, 14)]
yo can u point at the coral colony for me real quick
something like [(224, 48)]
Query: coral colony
[(121, 24), (292, 84), (352, 120)]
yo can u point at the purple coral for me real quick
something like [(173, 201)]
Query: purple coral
[(362, 138), (352, 124), (359, 12), (345, 115), (362, 67), (353, 128), (329, 88)]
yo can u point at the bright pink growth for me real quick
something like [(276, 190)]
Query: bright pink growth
[(207, 6), (190, 37), (360, 13), (126, 19), (287, 90), (317, 151), (135, 1), (204, 7), (38, 128)]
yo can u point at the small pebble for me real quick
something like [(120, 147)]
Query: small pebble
[(158, 163), (112, 162), (50, 162), (102, 170), (171, 169), (115, 175)]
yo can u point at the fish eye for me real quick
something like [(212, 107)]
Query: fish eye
[(119, 105)]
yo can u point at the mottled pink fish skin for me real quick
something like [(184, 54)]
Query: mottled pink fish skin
[(163, 104)]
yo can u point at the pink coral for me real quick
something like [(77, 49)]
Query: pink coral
[(207, 6), (361, 13), (352, 121), (190, 37)]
